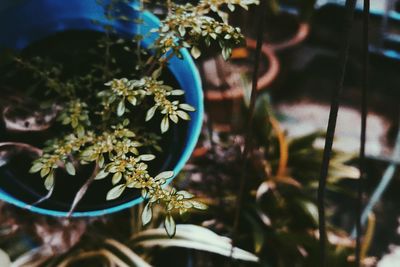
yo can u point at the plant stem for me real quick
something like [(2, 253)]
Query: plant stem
[(163, 62), (80, 194)]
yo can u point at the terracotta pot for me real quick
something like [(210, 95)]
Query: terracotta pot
[(300, 35), (224, 105)]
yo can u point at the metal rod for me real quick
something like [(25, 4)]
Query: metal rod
[(330, 133), (383, 184), (364, 112), (249, 132)]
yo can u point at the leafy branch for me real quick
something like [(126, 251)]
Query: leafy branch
[(98, 126)]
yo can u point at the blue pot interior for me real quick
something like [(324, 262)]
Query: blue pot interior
[(27, 23)]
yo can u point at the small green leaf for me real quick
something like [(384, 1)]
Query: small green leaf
[(147, 157), (121, 108), (170, 226), (226, 53), (36, 167), (185, 194), (101, 175), (177, 92), (116, 178), (186, 107), (150, 113), (134, 184), (157, 73), (70, 168), (198, 205), (183, 115), (49, 182), (44, 171), (115, 192), (164, 124), (147, 214), (125, 122), (164, 175), (101, 161), (174, 118), (132, 100), (144, 193), (195, 51)]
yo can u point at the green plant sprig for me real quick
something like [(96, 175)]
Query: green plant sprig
[(122, 152), (133, 92)]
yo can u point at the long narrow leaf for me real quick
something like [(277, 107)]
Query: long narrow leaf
[(192, 237), (135, 259)]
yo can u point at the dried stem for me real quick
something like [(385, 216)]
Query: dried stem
[(80, 194)]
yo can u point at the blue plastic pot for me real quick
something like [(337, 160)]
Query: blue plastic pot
[(29, 21)]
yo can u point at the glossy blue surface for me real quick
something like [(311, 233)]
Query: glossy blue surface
[(32, 20)]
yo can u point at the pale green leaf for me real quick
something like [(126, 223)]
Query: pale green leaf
[(198, 205), (147, 157), (4, 259), (101, 175), (169, 224), (185, 194), (70, 168), (49, 182), (101, 161), (226, 53), (150, 113), (174, 118), (44, 171), (195, 51), (134, 184), (147, 214), (186, 107), (132, 100), (136, 260), (115, 192), (144, 193), (36, 167), (183, 115), (121, 108), (164, 124), (116, 178), (193, 237), (177, 92), (157, 73), (164, 175)]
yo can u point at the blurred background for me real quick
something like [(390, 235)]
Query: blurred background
[(279, 218)]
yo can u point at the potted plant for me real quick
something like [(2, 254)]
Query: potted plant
[(128, 109)]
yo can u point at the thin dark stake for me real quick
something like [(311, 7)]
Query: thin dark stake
[(330, 132), (249, 133), (364, 111)]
